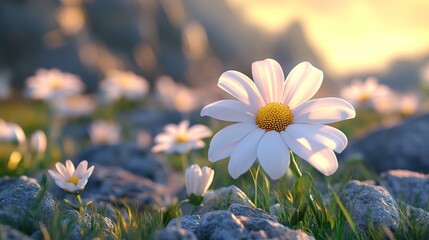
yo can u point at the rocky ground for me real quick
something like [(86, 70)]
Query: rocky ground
[(125, 173), (226, 213)]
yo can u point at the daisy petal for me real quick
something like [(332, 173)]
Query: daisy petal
[(60, 184), (244, 154), (328, 136), (88, 172), (323, 110), (222, 153), (241, 87), (62, 170), (81, 184), (81, 168), (56, 176), (301, 84), (182, 128), (161, 147), (221, 143), (273, 154), (229, 110), (70, 167), (269, 78), (320, 157), (325, 161), (70, 187), (199, 131), (171, 128)]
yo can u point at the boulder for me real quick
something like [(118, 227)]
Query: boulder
[(114, 184), (10, 233), (246, 211), (8, 182), (24, 205), (174, 233), (187, 222), (407, 186), (129, 157), (400, 147), (91, 225), (370, 205), (220, 225), (245, 223), (222, 198)]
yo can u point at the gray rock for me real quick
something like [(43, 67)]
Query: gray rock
[(399, 147), (10, 233), (406, 186), (8, 182), (246, 211), (187, 222), (227, 225), (24, 206), (174, 233), (92, 225), (261, 228), (114, 184), (222, 198), (129, 157), (417, 215), (368, 204), (220, 225)]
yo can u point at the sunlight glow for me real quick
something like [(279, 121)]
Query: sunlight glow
[(349, 36)]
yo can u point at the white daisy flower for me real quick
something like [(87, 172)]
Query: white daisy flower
[(274, 116), (176, 96), (126, 85), (366, 93), (102, 132), (198, 180), (181, 138), (70, 179), (51, 84)]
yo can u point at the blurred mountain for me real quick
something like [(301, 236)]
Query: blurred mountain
[(238, 44), (147, 37), (403, 75)]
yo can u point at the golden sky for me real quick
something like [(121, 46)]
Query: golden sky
[(349, 35)]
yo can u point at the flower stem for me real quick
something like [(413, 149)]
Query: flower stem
[(297, 173), (79, 203), (255, 183), (184, 160)]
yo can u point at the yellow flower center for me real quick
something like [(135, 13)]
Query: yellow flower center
[(364, 97), (181, 139), (73, 180), (274, 116), (56, 84)]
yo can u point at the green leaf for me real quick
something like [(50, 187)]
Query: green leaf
[(302, 190)]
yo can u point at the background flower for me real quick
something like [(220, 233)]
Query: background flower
[(274, 116), (181, 138), (53, 83), (176, 96), (367, 94), (121, 84), (102, 132)]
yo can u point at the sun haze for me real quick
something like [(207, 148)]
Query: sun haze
[(349, 36)]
